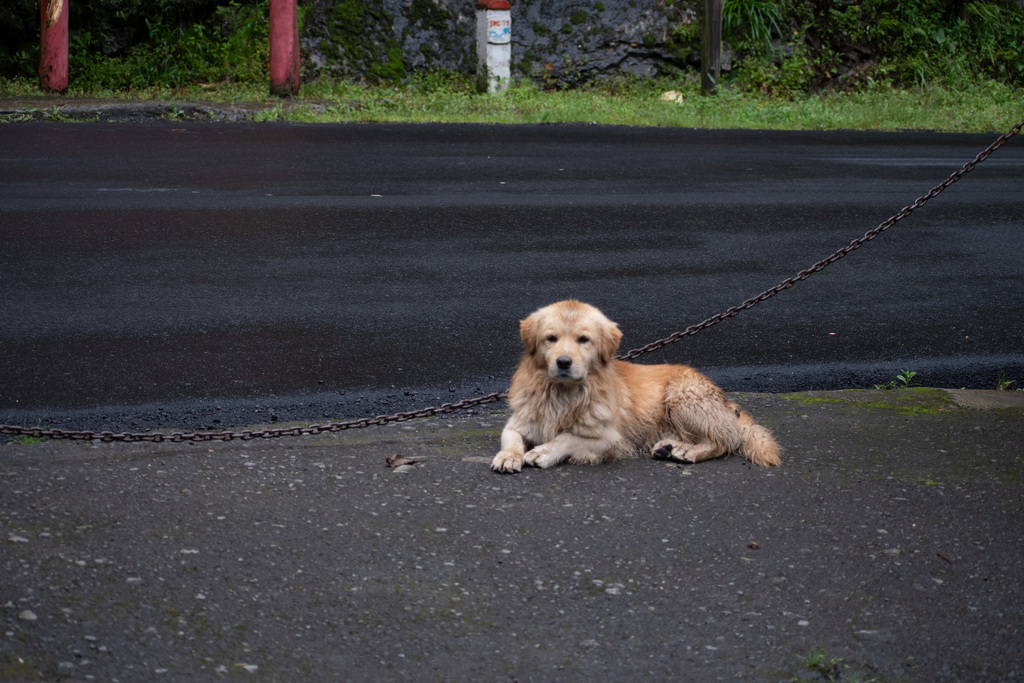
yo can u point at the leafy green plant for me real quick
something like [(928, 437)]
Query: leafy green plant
[(756, 21), (173, 48), (934, 41), (906, 378), (874, 43), (785, 73), (54, 114)]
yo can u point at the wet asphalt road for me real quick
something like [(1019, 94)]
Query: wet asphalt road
[(205, 275)]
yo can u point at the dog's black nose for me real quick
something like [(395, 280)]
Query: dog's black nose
[(563, 362)]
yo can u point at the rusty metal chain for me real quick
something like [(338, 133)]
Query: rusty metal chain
[(380, 420), (248, 434)]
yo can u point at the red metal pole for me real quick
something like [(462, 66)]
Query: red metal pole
[(284, 48), (53, 45)]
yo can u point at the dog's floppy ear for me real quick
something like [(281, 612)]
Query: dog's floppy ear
[(609, 344), (528, 331)]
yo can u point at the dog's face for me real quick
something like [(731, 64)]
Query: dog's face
[(570, 340)]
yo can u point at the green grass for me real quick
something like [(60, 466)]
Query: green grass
[(25, 440), (987, 107)]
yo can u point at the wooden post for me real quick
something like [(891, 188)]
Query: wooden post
[(285, 74), (711, 47), (53, 45)]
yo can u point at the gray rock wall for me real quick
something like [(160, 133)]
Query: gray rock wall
[(554, 42)]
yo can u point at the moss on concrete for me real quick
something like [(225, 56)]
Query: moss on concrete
[(18, 669), (912, 401)]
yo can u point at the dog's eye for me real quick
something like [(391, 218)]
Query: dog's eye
[(583, 340), (552, 338)]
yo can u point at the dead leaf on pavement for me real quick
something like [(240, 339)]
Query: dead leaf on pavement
[(398, 460)]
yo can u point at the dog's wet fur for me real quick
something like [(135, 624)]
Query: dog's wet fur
[(573, 401)]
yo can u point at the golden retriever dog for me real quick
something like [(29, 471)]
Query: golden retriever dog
[(573, 401)]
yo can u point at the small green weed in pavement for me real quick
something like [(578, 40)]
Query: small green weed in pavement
[(1003, 384), (906, 378), (818, 660), (832, 668), (25, 439), (903, 380)]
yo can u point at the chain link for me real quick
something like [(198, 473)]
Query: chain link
[(248, 435), (380, 420)]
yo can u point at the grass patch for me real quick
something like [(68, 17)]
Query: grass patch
[(985, 107), (25, 440)]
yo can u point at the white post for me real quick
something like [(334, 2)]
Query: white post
[(493, 45)]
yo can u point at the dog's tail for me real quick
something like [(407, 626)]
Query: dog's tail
[(758, 444)]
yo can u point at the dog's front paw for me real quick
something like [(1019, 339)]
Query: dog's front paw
[(543, 457), (509, 462)]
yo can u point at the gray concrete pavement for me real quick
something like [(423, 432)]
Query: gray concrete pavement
[(889, 544)]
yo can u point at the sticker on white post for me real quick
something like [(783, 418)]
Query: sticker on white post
[(499, 26)]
